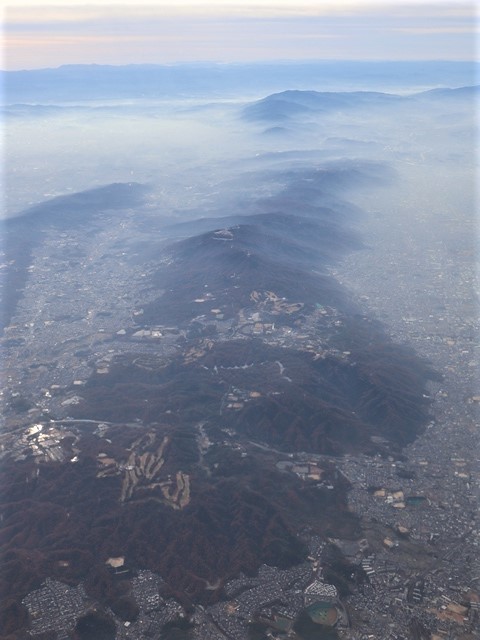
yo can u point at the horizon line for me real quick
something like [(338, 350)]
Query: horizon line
[(232, 63)]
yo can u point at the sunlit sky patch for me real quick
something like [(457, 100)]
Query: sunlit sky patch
[(107, 32)]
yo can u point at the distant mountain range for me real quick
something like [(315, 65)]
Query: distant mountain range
[(288, 104), (102, 82)]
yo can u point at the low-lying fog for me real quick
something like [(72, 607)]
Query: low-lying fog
[(410, 159), (204, 158)]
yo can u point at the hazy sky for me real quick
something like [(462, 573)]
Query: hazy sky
[(106, 32)]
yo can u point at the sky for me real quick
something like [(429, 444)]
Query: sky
[(39, 35)]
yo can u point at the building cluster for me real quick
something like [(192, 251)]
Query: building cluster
[(56, 606), (273, 594)]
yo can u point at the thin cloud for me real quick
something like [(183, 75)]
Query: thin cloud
[(226, 31), (77, 11), (433, 30)]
